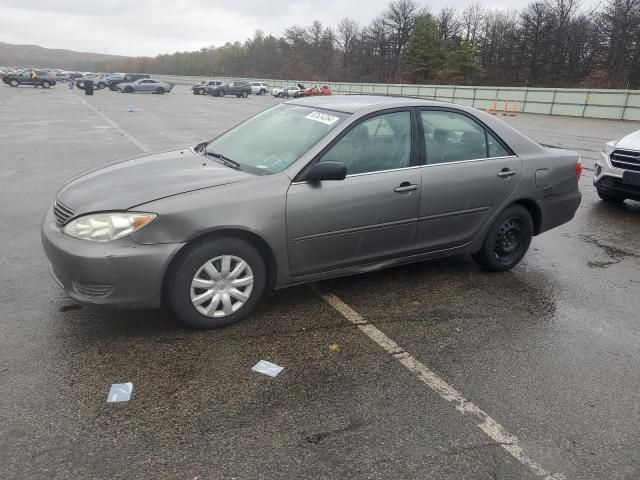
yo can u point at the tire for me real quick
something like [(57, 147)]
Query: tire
[(507, 240), (244, 94), (14, 83), (101, 85), (221, 93), (113, 87), (201, 91), (159, 90), (196, 91), (279, 95), (128, 89), (610, 197), (191, 264), (45, 84), (238, 95), (263, 92)]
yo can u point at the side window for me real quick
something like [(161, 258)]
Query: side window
[(379, 143), (451, 137), (495, 147)]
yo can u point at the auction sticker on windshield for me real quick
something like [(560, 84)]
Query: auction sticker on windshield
[(323, 118)]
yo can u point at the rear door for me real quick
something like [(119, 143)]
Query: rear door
[(370, 215), (468, 176)]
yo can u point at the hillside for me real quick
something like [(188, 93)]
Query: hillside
[(33, 55)]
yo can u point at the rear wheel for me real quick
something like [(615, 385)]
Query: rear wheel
[(610, 196), (128, 89), (45, 84), (279, 95), (201, 91), (507, 240), (101, 85), (263, 92), (196, 91), (216, 283), (159, 90), (221, 93), (14, 83), (244, 94)]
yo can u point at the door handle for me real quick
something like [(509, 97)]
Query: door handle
[(506, 173), (405, 187)]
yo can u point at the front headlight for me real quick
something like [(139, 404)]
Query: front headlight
[(608, 149), (104, 227)]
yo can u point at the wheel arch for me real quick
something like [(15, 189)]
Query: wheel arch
[(534, 210), (250, 237)]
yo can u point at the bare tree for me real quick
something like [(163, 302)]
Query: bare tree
[(472, 17)]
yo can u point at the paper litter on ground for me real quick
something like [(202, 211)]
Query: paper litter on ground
[(267, 368)]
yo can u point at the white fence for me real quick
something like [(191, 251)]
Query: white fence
[(588, 103)]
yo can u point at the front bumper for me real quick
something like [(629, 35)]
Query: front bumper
[(608, 178), (121, 272)]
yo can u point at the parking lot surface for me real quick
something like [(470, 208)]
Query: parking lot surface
[(549, 353)]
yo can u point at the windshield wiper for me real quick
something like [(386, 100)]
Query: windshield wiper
[(202, 148)]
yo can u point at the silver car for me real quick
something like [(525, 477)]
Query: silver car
[(310, 189), (145, 85)]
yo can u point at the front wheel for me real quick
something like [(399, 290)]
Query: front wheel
[(279, 95), (221, 93), (216, 283), (14, 83), (610, 196), (128, 90), (101, 85), (245, 94), (507, 240), (159, 90), (45, 84)]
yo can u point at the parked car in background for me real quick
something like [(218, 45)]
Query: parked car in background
[(98, 80), (617, 171), (61, 75), (113, 78), (145, 85), (239, 89), (25, 77), (259, 88), (202, 87), (126, 78), (285, 92), (311, 92), (307, 190)]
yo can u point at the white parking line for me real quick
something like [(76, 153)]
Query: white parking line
[(488, 425), (126, 134)]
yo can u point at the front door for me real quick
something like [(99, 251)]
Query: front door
[(370, 215), (468, 176)]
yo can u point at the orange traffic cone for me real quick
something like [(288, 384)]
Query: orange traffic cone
[(513, 110), (505, 112)]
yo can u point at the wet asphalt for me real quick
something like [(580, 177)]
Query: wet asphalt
[(551, 350)]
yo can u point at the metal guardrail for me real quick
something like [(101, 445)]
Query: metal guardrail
[(585, 103)]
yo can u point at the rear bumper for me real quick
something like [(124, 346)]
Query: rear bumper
[(121, 272), (558, 209)]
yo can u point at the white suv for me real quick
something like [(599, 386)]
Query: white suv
[(617, 172), (259, 88)]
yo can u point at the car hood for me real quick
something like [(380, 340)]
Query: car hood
[(631, 141), (123, 185)]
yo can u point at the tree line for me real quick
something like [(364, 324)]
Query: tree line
[(549, 43)]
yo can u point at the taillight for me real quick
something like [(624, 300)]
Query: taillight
[(578, 169)]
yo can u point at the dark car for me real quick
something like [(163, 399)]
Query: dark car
[(26, 77), (239, 89), (115, 80), (204, 86)]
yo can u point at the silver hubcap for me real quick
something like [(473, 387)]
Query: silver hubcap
[(221, 286)]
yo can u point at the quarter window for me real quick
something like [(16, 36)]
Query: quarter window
[(379, 143), (453, 137)]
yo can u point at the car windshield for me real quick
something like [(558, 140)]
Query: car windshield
[(277, 137)]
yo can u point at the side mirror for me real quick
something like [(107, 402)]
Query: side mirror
[(326, 171)]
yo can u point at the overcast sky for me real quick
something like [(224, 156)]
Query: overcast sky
[(150, 27)]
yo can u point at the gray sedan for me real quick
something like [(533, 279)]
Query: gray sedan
[(310, 189), (145, 85)]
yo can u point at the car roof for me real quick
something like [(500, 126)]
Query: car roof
[(353, 103)]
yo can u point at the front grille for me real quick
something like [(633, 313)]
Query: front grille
[(92, 290), (626, 159), (63, 214)]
